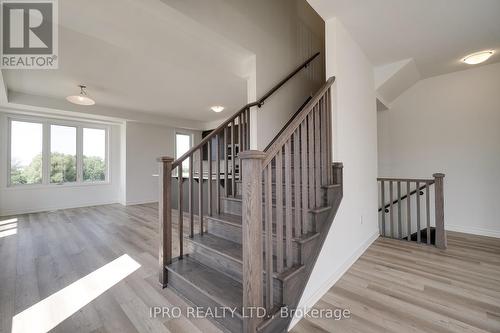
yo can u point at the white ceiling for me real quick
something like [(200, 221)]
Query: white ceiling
[(435, 33), (140, 55)]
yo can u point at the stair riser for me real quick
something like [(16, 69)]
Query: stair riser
[(216, 260), (224, 230), (233, 233), (228, 266), (200, 299), (230, 206)]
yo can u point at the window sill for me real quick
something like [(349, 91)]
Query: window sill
[(54, 186)]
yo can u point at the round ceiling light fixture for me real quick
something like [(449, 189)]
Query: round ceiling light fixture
[(82, 98), (478, 57), (217, 108)]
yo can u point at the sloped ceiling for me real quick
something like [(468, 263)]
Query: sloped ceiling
[(138, 55), (435, 33)]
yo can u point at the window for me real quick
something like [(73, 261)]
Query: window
[(94, 155), (26, 141), (62, 154), (182, 145), (57, 152)]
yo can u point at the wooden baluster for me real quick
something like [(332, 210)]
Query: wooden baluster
[(240, 145), (226, 161), (249, 127), (191, 197), (200, 191), (317, 158), (408, 210), (165, 218), (310, 123), (428, 212), (418, 211), (288, 205), (391, 209), (304, 169), (279, 211), (217, 175), (269, 238), (441, 241), (233, 161), (180, 213), (246, 121), (400, 224), (329, 132), (296, 182), (324, 146), (252, 234), (382, 194), (209, 179)]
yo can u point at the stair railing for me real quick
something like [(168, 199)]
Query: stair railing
[(272, 191), (225, 143), (404, 227)]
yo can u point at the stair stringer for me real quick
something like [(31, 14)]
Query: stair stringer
[(276, 323)]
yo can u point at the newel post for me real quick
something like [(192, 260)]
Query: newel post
[(165, 217), (441, 241), (251, 167), (338, 173)]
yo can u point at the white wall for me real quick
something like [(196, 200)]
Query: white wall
[(24, 199), (450, 124), (133, 151), (144, 144), (281, 34), (355, 144)]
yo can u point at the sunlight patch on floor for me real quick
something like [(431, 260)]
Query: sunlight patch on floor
[(9, 221), (49, 312), (8, 232)]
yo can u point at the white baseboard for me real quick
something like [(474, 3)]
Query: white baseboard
[(474, 230), (131, 203), (323, 289), (29, 210)]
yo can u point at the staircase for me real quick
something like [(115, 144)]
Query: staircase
[(256, 221)]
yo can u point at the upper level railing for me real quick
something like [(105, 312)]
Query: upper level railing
[(280, 188), (405, 220)]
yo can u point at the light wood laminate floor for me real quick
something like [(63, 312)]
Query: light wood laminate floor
[(394, 287), (400, 287), (52, 250)]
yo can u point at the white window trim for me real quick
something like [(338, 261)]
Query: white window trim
[(46, 123), (191, 142), (182, 133)]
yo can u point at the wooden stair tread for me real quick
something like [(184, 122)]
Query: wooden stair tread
[(227, 218), (221, 245), (234, 250), (218, 286)]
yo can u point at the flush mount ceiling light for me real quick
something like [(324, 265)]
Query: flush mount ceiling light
[(217, 108), (82, 98), (478, 57)]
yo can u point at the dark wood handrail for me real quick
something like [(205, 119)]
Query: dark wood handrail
[(258, 103), (295, 123), (288, 123), (428, 181)]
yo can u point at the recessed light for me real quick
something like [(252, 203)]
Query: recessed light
[(217, 108), (82, 98), (478, 57)]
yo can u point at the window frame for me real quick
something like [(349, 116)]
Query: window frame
[(191, 141), (46, 151)]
